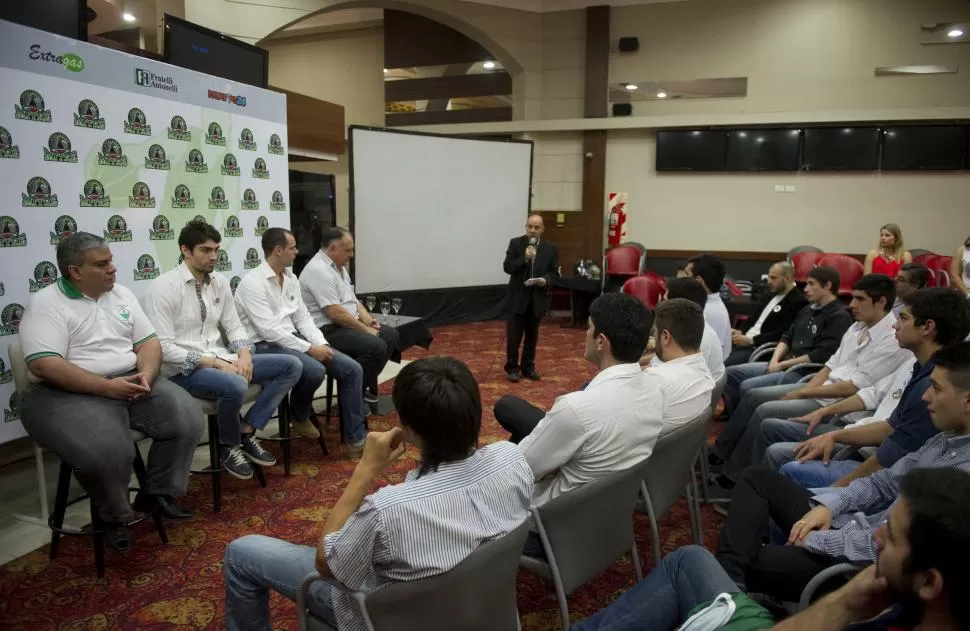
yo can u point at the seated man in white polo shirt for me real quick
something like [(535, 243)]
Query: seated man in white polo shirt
[(691, 289), (347, 325), (93, 360)]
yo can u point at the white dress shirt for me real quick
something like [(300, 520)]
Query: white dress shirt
[(175, 302), (716, 314), (710, 349), (323, 284), (275, 314), (884, 396), (755, 329), (686, 384)]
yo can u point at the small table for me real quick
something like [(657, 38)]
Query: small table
[(582, 292), (411, 331)]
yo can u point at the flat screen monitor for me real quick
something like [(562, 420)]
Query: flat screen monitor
[(841, 149), (61, 17), (197, 48), (924, 148), (700, 150), (763, 149)]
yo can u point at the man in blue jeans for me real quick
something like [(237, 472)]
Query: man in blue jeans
[(192, 310), (271, 308)]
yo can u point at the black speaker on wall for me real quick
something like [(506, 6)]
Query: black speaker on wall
[(622, 109), (629, 44)]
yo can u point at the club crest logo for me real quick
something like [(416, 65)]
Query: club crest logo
[(64, 227), (31, 108), (262, 225), (10, 319), (6, 376), (213, 135), (45, 275), (38, 194), (88, 115), (182, 197), (217, 199), (249, 200), (229, 165), (146, 269), (252, 259), (275, 146), (276, 202), (58, 149), (196, 219), (7, 148), (10, 236), (233, 283), (3, 290), (12, 413), (161, 229), (233, 229), (117, 230), (222, 262), (246, 141), (156, 159), (111, 154), (137, 124), (94, 196), (141, 196), (178, 130), (196, 163), (259, 169)]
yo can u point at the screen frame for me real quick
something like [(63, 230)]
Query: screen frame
[(171, 20), (723, 159), (82, 22), (815, 130), (884, 133), (782, 132)]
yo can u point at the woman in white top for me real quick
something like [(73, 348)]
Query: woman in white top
[(960, 268)]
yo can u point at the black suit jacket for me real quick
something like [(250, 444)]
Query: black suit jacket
[(520, 270), (781, 318)]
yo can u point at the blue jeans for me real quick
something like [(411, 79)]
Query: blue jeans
[(275, 373), (255, 564), (781, 436), (736, 375), (685, 578), (350, 388), (815, 473)]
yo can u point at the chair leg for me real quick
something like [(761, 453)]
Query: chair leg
[(705, 474), (215, 464), (260, 476), (98, 540), (654, 528), (284, 423), (141, 474), (60, 505), (328, 402), (635, 555)]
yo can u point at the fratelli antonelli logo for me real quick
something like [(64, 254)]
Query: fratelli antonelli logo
[(156, 159), (214, 135), (182, 197), (148, 79), (252, 259), (249, 200), (38, 194), (10, 318), (233, 283), (12, 413), (161, 229), (259, 169), (222, 262), (229, 165), (10, 236), (217, 199), (64, 227), (178, 130), (137, 123), (275, 145), (58, 149), (141, 196), (262, 225), (146, 269), (94, 195), (31, 108), (196, 163), (233, 229), (7, 148), (88, 115), (117, 229), (246, 140), (111, 154), (277, 203), (45, 274)]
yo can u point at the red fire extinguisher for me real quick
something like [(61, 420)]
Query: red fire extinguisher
[(617, 220)]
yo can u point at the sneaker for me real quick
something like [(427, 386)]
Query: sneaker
[(355, 450), (234, 461), (255, 452), (370, 397), (306, 428)]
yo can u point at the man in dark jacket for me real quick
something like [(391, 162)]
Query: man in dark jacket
[(532, 265), (778, 310)]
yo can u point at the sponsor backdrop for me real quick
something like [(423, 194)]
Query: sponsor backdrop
[(130, 149)]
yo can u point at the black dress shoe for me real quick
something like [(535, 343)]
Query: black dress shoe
[(531, 374), (513, 375), (117, 536), (165, 506)]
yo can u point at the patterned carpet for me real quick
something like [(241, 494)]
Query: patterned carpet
[(180, 586)]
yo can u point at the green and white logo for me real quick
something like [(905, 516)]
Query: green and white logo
[(182, 198), (161, 229), (229, 166), (10, 236), (249, 200), (70, 61), (13, 413), (196, 219), (137, 123), (233, 283), (277, 203), (7, 148), (31, 108), (222, 262), (156, 159), (10, 319), (45, 275), (111, 154), (214, 135), (262, 225), (246, 141), (146, 269), (6, 376), (233, 229), (252, 259), (88, 115), (196, 163), (94, 196), (141, 196), (275, 145), (117, 229), (178, 130), (259, 169), (38, 194), (217, 199), (64, 227), (58, 149)]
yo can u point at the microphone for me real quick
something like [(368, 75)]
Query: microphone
[(533, 242)]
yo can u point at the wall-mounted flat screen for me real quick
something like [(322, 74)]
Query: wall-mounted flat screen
[(841, 149), (197, 48), (763, 149), (700, 150), (924, 148), (61, 17)]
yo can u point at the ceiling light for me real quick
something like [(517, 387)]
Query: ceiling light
[(742, 134), (955, 33), (385, 70), (488, 65), (127, 17), (631, 86), (661, 95)]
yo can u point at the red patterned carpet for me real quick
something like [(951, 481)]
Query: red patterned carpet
[(180, 586)]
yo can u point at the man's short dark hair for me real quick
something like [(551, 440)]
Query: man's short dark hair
[(196, 233), (710, 269), (437, 398), (878, 286), (274, 237), (689, 288), (946, 307), (917, 274), (939, 528), (955, 358), (625, 322), (684, 319), (331, 234), (826, 275)]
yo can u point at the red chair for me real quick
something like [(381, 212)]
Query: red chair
[(923, 256), (850, 270), (646, 288), (624, 260), (657, 277), (939, 267), (803, 262)]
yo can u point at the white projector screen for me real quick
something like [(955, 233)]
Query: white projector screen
[(433, 212)]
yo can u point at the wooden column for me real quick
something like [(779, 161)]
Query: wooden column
[(593, 215)]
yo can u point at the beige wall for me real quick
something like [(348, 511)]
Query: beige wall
[(557, 171)]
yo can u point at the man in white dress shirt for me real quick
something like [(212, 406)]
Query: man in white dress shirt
[(691, 289), (192, 309), (709, 270), (271, 308)]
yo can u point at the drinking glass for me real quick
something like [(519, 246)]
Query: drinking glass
[(385, 308), (396, 305), (371, 302)]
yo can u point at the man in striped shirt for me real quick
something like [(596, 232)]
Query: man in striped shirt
[(840, 523), (459, 497)]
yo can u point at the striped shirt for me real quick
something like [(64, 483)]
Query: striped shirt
[(864, 505), (426, 526)]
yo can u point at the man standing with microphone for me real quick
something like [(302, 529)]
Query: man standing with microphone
[(532, 265)]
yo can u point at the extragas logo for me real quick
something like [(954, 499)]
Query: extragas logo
[(70, 61)]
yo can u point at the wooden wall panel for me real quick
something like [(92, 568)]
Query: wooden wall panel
[(413, 40), (496, 83), (314, 124), (597, 61), (478, 115)]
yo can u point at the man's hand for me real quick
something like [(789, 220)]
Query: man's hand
[(774, 367), (819, 518), (530, 252), (865, 596), (540, 282), (244, 365), (321, 353), (820, 447), (380, 450), (812, 418), (127, 388), (794, 395), (739, 339), (224, 366), (373, 330)]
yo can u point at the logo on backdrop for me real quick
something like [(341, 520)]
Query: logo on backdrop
[(262, 225), (148, 79), (70, 61), (233, 229), (94, 196), (64, 227), (38, 194), (249, 200), (117, 230), (88, 115), (252, 259), (146, 269), (246, 140), (275, 145), (10, 319), (196, 163), (277, 203), (222, 262), (141, 196), (214, 135), (7, 148), (156, 159), (215, 95), (137, 123), (259, 169), (233, 283), (10, 236), (196, 219), (58, 149), (6, 376), (13, 413), (3, 290), (31, 108), (45, 275), (217, 199), (229, 166), (111, 154), (182, 198), (161, 229), (178, 130)]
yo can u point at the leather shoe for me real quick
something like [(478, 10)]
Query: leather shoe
[(514, 376), (165, 506), (531, 374), (117, 536)]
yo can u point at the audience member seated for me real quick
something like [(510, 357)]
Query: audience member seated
[(459, 497), (960, 268), (271, 308), (781, 307), (94, 361), (192, 309), (839, 523), (911, 276), (890, 255), (931, 319), (329, 295), (691, 289), (681, 271), (709, 270)]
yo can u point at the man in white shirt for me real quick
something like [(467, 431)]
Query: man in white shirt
[(192, 309), (777, 315), (691, 289), (347, 325), (271, 308), (93, 360), (709, 270)]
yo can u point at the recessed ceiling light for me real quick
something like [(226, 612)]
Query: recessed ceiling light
[(661, 95), (385, 70), (631, 86), (127, 17), (955, 33), (488, 65)]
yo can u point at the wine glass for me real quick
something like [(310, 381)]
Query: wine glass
[(385, 308), (396, 305), (371, 302)]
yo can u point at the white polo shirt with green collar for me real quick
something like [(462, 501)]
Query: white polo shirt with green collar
[(97, 335)]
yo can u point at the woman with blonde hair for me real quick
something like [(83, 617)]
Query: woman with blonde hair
[(890, 255)]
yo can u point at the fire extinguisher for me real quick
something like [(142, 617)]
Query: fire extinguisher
[(616, 225)]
